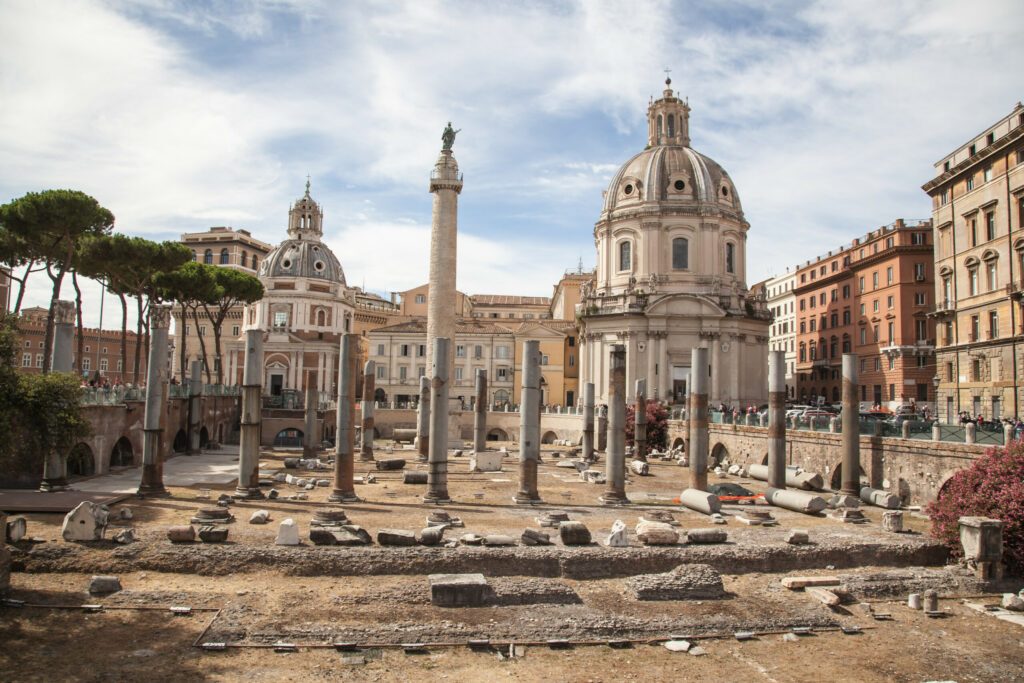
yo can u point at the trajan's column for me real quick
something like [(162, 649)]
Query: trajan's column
[(445, 184)]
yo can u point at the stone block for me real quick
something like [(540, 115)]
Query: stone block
[(656, 533), (799, 582), (892, 520), (125, 536), (798, 537), (701, 501), (982, 539), (487, 461), (17, 527), (287, 533), (882, 499), (213, 533), (458, 590), (414, 478), (685, 582), (104, 585), (498, 540), (706, 536), (619, 537), (640, 468), (534, 537), (86, 522), (432, 535), (260, 517), (181, 534), (574, 533), (398, 537), (351, 534), (391, 464), (1013, 602), (823, 595), (840, 500)]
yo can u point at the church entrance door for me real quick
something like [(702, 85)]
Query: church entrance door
[(276, 384)]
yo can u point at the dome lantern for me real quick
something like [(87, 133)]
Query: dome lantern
[(305, 218), (668, 119)]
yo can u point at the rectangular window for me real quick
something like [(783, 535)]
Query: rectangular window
[(888, 275), (874, 280), (921, 299), (403, 350), (421, 371), (975, 370), (949, 372), (874, 330), (460, 351), (970, 182), (972, 280), (997, 410), (478, 351), (236, 330), (993, 325), (892, 333), (863, 335), (874, 306), (103, 365), (993, 275), (892, 362), (381, 374), (421, 298), (846, 291), (892, 392), (921, 329), (860, 284), (878, 364), (421, 351), (802, 304), (572, 361), (503, 374), (501, 352), (458, 372), (987, 174), (922, 361), (86, 363), (380, 349), (403, 373), (26, 360), (846, 317), (990, 225), (975, 328), (544, 359), (949, 333), (39, 360), (280, 319), (972, 229), (890, 301)]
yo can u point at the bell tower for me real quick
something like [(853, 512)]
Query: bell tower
[(305, 218), (668, 119)]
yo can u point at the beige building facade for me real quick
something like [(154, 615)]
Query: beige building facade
[(781, 298), (978, 211), (671, 273)]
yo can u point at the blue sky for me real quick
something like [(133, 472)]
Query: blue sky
[(182, 115)]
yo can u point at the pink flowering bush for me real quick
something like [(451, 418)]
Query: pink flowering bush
[(992, 487), (657, 425)]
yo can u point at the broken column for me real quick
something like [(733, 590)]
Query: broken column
[(777, 419), (588, 421), (195, 394), (249, 436), (369, 389), (156, 387), (640, 422), (699, 420), (344, 439), (529, 425), (309, 440), (480, 412), (55, 466), (437, 471), (615, 460), (982, 541), (423, 420), (851, 427)]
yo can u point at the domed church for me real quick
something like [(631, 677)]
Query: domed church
[(306, 307), (671, 273)]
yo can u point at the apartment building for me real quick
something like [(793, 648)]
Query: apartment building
[(781, 297), (978, 211), (873, 299)]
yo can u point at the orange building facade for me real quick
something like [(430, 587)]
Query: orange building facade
[(871, 299)]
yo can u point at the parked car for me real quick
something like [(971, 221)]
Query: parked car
[(734, 493)]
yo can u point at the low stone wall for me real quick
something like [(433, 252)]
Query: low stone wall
[(914, 469), (501, 426)]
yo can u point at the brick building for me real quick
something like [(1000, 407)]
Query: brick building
[(871, 299), (978, 212)]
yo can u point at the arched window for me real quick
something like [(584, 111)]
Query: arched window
[(321, 318), (671, 126), (625, 255), (803, 353), (254, 264), (224, 257), (194, 255), (245, 259), (972, 277), (730, 257), (835, 347), (846, 343), (208, 256), (680, 253), (991, 269), (659, 125), (814, 351)]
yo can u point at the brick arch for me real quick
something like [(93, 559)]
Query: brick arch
[(836, 480), (549, 437)]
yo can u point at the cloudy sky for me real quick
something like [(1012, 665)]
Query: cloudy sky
[(183, 115)]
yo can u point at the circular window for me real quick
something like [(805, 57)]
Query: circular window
[(316, 249), (680, 185), (319, 265), (286, 264), (725, 191), (628, 189)]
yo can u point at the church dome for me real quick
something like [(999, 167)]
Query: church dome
[(669, 170), (303, 254)]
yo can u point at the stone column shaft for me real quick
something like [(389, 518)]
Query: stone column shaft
[(437, 472), (640, 421), (480, 412), (312, 401), (777, 419), (445, 184), (615, 458), (344, 438), (55, 464), (156, 387), (423, 420), (369, 389), (851, 427), (699, 420), (588, 421), (195, 393), (529, 425), (251, 421)]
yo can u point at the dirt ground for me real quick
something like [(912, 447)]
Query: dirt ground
[(253, 607)]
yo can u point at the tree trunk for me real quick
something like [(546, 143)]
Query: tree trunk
[(78, 322), (21, 286), (48, 341), (138, 339), (217, 322), (202, 344), (124, 336)]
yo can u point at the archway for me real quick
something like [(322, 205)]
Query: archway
[(122, 454), (718, 455), (679, 443), (380, 396), (289, 438), (764, 460), (837, 477), (81, 462), (204, 437), (548, 438), (180, 441), (497, 434)]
